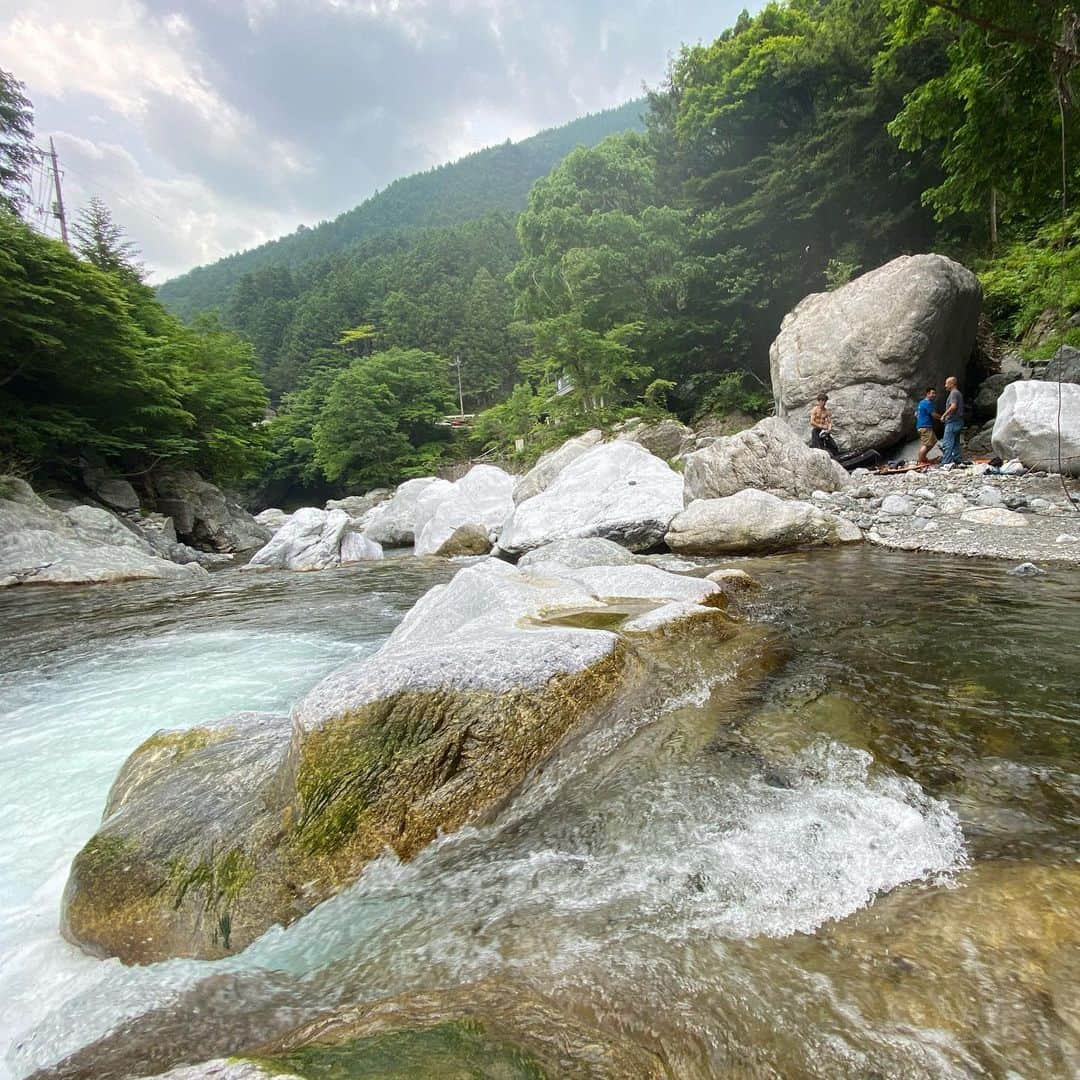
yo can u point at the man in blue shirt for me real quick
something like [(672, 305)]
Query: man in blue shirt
[(954, 423), (924, 423)]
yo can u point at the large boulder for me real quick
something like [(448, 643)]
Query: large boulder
[(213, 835), (81, 545), (618, 491), (314, 539), (1030, 420), (393, 523), (664, 438), (204, 516), (989, 391), (752, 522), (552, 463), (769, 456), (473, 507), (574, 553), (873, 346), (1064, 367), (110, 489), (356, 506), (272, 518)]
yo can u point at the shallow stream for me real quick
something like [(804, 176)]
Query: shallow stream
[(865, 865)]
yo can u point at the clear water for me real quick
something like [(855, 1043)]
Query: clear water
[(866, 865)]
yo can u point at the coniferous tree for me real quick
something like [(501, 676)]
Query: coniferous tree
[(99, 240), (17, 151)]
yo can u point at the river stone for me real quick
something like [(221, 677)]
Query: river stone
[(393, 523), (617, 491), (479, 503), (1026, 569), (314, 539), (549, 465), (734, 580), (204, 516), (80, 546), (873, 346), (356, 506), (211, 836), (995, 515), (988, 496), (187, 861), (110, 489), (272, 518), (755, 521), (1027, 425), (952, 502), (1065, 366), (665, 438), (897, 506), (986, 399), (592, 551), (769, 457)]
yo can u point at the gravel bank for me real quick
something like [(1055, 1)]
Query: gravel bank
[(963, 512)]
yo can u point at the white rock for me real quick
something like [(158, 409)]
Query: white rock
[(897, 506), (873, 346), (1013, 468), (483, 497), (755, 521), (1067, 538), (314, 539), (926, 510), (618, 491), (995, 515), (356, 506), (592, 551), (393, 523), (925, 494), (731, 579), (668, 615), (1026, 569), (1026, 426), (272, 518), (989, 496), (952, 503), (549, 465), (767, 457), (84, 545)]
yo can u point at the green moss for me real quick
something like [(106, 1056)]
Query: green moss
[(181, 743), (220, 881), (453, 1049)]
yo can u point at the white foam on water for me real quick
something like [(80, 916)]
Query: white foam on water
[(65, 732)]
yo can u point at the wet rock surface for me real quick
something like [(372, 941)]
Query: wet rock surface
[(313, 539)]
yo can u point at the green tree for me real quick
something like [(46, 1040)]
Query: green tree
[(17, 153), (378, 412), (99, 240)]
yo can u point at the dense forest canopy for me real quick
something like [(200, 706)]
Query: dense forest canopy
[(635, 267)]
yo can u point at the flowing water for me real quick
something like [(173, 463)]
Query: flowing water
[(867, 865)]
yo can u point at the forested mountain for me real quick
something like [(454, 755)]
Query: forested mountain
[(488, 181), (805, 144)]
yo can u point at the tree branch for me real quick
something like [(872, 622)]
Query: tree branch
[(1028, 38)]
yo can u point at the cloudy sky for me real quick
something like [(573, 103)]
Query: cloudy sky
[(209, 126)]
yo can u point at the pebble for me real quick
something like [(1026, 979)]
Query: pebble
[(1067, 538), (989, 496), (1026, 569), (897, 505)]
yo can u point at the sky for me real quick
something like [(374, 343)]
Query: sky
[(210, 126)]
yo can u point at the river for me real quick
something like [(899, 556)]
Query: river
[(868, 866)]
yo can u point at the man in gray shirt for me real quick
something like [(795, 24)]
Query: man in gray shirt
[(953, 417)]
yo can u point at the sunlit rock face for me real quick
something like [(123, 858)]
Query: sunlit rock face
[(1030, 418), (617, 491), (393, 523), (214, 834), (549, 465), (755, 521), (82, 545), (874, 346), (770, 457), (458, 521), (314, 539)]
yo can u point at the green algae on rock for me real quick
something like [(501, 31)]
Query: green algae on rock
[(213, 835)]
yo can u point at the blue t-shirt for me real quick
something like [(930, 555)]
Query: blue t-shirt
[(924, 414)]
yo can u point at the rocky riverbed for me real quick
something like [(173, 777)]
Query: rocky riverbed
[(965, 511)]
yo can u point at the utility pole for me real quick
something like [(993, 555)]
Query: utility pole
[(461, 398), (59, 194)]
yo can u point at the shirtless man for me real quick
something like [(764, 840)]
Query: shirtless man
[(821, 427)]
